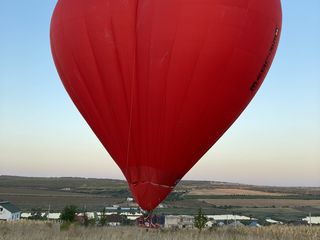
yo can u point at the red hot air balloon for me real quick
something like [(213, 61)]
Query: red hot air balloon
[(160, 81)]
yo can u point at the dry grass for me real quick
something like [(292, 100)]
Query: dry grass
[(26, 230), (232, 191)]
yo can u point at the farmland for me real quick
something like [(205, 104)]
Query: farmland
[(265, 202), (232, 191), (281, 203), (25, 230)]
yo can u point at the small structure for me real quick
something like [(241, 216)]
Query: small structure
[(116, 209), (254, 224), (211, 223), (220, 224), (9, 212), (161, 205), (83, 217), (25, 215), (235, 224), (312, 220), (272, 221), (229, 218), (89, 215), (179, 221), (114, 219), (53, 216)]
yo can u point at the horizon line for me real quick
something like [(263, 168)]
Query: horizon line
[(183, 180)]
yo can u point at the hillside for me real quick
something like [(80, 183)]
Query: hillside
[(283, 203)]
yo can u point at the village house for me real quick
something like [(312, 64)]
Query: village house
[(271, 221), (210, 223), (25, 215), (9, 212), (312, 220), (130, 199), (229, 218), (179, 221), (53, 216)]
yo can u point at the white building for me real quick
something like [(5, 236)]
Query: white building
[(179, 221), (9, 212), (210, 223), (269, 220), (229, 217), (130, 199), (25, 215), (312, 220), (53, 216)]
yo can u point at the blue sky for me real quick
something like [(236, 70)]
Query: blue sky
[(276, 141)]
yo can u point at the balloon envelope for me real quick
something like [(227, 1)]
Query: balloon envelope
[(160, 81)]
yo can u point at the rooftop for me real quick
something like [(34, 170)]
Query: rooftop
[(9, 206)]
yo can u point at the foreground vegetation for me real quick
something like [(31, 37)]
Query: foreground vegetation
[(25, 230)]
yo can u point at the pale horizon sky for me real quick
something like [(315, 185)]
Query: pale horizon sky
[(276, 141)]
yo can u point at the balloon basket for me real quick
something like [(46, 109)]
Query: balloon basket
[(149, 221)]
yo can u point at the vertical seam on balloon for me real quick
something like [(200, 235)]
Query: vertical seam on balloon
[(209, 145), (166, 82), (149, 137), (213, 141), (133, 78), (98, 71), (99, 118), (65, 83), (75, 95), (119, 64), (188, 84), (89, 93)]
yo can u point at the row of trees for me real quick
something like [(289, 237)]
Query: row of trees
[(69, 214)]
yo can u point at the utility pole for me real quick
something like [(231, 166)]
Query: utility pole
[(310, 223)]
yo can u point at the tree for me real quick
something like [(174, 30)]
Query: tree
[(68, 213), (103, 218), (200, 220)]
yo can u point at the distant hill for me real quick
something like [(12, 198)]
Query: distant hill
[(192, 187), (282, 203)]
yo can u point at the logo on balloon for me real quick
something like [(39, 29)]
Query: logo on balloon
[(268, 59)]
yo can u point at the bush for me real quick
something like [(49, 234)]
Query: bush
[(68, 213), (103, 218)]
